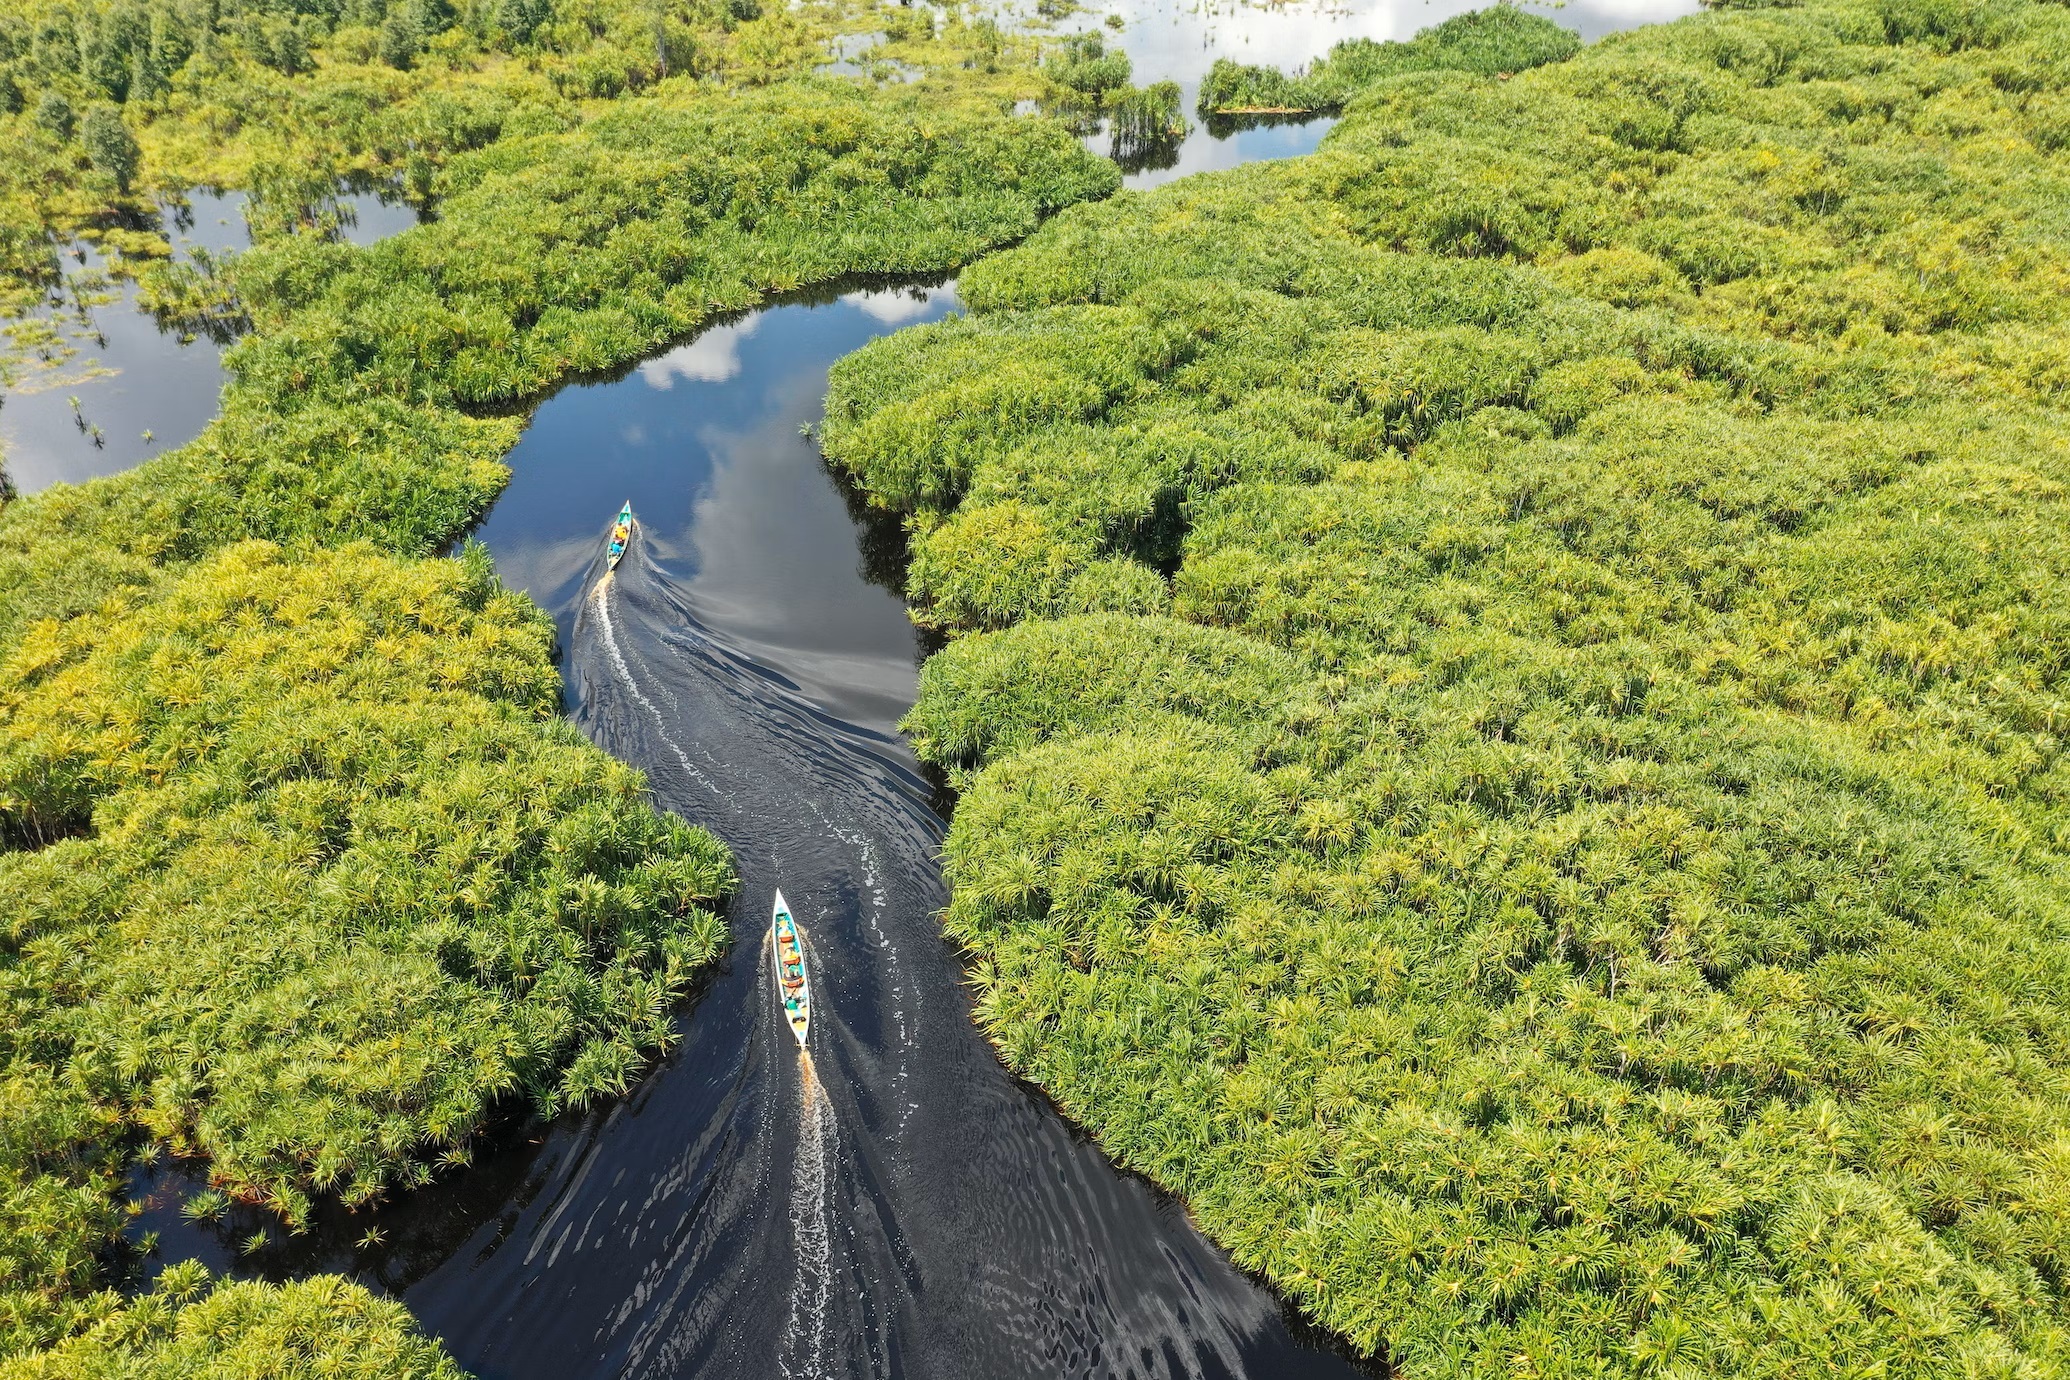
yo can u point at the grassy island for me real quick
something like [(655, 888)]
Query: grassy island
[(300, 870), (1507, 685)]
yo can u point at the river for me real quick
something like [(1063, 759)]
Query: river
[(893, 1204)]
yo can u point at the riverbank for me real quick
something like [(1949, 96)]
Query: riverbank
[(1502, 687)]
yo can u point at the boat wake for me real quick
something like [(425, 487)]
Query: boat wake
[(806, 1340), (600, 600)]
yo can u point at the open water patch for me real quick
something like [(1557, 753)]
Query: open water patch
[(119, 385), (1179, 40), (706, 440), (852, 57)]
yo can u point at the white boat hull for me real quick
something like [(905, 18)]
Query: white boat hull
[(787, 968)]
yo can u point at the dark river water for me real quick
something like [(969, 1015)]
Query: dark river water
[(893, 1204)]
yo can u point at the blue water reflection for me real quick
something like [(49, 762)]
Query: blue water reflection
[(732, 500)]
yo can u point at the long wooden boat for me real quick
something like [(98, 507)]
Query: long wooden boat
[(621, 535), (792, 989)]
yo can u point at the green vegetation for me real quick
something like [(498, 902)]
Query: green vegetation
[(1146, 117), (301, 871), (1494, 42), (1090, 83), (285, 100), (1508, 694), (110, 147), (1083, 63), (315, 1329), (352, 877), (321, 875)]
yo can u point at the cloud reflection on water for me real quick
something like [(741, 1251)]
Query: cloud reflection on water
[(713, 357)]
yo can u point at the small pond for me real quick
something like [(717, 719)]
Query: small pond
[(141, 386)]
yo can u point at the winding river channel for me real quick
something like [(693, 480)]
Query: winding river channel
[(895, 1204)]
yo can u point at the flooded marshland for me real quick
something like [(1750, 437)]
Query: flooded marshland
[(120, 385)]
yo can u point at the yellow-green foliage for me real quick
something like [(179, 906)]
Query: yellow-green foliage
[(1558, 856), (60, 1154), (405, 478), (322, 874), (1494, 41), (340, 889), (571, 252), (314, 1329), (285, 99)]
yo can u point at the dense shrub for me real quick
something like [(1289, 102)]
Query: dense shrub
[(1584, 896), (286, 100), (110, 146), (1143, 119), (313, 874), (315, 1329), (570, 252), (351, 877), (1083, 63)]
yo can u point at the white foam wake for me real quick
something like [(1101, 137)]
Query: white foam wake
[(603, 605), (805, 1334)]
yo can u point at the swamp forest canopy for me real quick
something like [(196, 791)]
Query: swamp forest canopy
[(1506, 684), (301, 873)]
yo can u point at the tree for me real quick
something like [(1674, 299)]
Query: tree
[(521, 18), (287, 48), (110, 145), (400, 40), (54, 113)]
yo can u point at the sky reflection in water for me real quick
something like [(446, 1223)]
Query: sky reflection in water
[(734, 502)]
